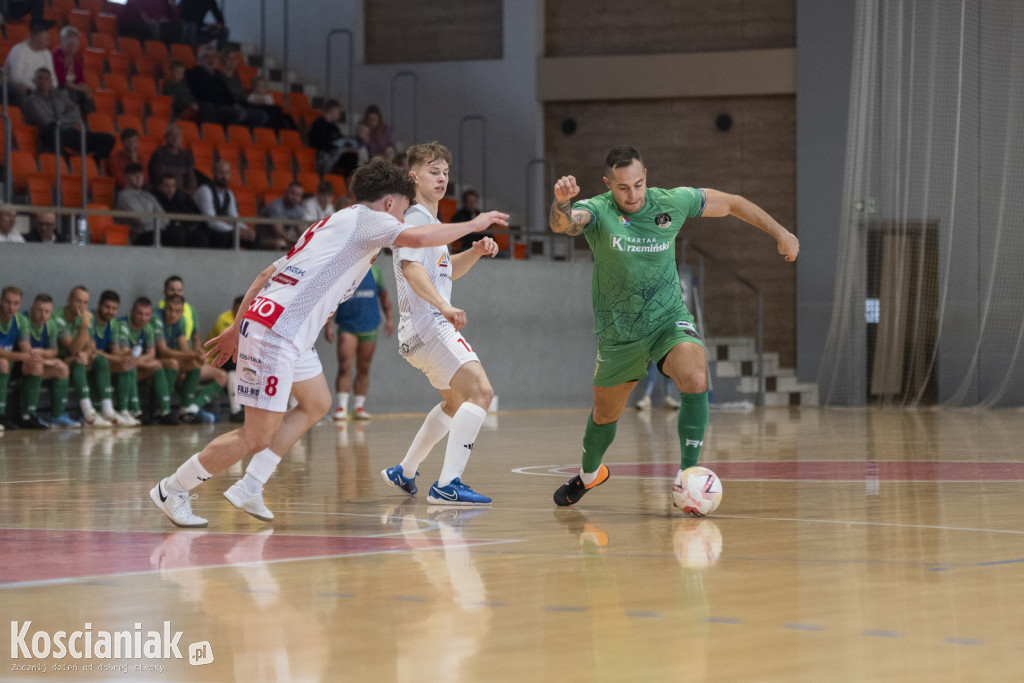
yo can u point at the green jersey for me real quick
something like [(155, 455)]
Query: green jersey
[(106, 335), (13, 331), (46, 336), (635, 283), (147, 338), (172, 333)]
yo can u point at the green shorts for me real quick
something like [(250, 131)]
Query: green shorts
[(370, 336), (621, 362)]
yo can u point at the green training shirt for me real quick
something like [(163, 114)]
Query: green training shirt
[(635, 283)]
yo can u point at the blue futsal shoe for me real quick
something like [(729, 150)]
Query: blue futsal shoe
[(455, 493), (395, 476)]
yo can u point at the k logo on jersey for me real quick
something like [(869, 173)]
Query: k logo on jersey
[(443, 262)]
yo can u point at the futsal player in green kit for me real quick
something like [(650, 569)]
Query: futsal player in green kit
[(638, 306)]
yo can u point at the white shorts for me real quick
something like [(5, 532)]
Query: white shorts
[(268, 365), (438, 355)]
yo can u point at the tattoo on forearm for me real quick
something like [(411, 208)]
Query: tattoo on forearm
[(563, 221)]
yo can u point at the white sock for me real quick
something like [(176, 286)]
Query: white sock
[(190, 475), (260, 469), (433, 430), (589, 477), (232, 399), (360, 401), (86, 407), (465, 426), (106, 406), (342, 398)]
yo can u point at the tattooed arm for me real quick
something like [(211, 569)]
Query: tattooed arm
[(562, 218)]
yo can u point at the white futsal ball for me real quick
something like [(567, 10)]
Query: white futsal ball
[(697, 491)]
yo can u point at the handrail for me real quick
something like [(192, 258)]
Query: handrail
[(759, 340), (349, 104), (483, 155), (415, 104)]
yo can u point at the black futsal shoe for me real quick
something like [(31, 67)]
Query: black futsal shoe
[(571, 491)]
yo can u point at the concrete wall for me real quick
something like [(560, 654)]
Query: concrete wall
[(530, 323)]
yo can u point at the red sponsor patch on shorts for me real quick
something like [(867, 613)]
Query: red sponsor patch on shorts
[(264, 311)]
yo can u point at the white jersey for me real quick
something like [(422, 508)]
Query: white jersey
[(417, 317), (324, 268)]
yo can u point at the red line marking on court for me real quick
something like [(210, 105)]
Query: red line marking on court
[(823, 470), (42, 554)]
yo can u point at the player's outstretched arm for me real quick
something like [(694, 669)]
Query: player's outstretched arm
[(439, 234), (463, 261), (225, 345), (417, 278), (562, 218), (723, 204)]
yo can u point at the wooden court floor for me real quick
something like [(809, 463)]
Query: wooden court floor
[(851, 545)]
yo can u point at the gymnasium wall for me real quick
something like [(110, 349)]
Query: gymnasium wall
[(440, 31), (531, 324)]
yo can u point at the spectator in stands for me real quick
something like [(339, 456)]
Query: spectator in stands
[(173, 159), (183, 105), (134, 197), (280, 236), (276, 118), (470, 207), (320, 205), (196, 31), (16, 9), (334, 152), (210, 88), (380, 141), (179, 233), (68, 65), (118, 163), (260, 94), (44, 229), (217, 199), (47, 108), (150, 20), (8, 231), (26, 58)]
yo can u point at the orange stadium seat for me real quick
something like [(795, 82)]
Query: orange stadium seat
[(130, 121), (156, 125), (115, 233), (146, 67), (213, 133), (133, 104), (26, 137), (255, 158), (148, 145), (101, 123), (269, 196), (144, 86), (190, 132), (119, 63), (156, 51), (246, 73), (71, 192), (94, 59), (305, 157), (40, 192), (183, 53), (239, 135), (106, 24), (63, 7), (130, 46), (93, 79), (80, 19), (291, 139), (446, 208), (299, 101), (278, 98), (94, 6), (98, 225), (246, 200), (160, 105), (102, 40), (340, 186), (228, 152), (16, 118), (279, 180), (105, 101), (17, 33), (256, 181), (48, 164), (102, 190), (281, 158), (265, 138), (5, 48), (23, 164), (237, 181), (204, 157), (91, 169), (116, 83), (309, 181)]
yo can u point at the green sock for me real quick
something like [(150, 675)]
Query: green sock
[(189, 387), (31, 385), (133, 393), (101, 377), (693, 423), (596, 441), (207, 393), (4, 379), (124, 390), (59, 396), (160, 387), (80, 381)]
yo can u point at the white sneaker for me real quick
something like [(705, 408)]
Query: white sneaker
[(644, 403), (125, 419), (340, 414), (112, 417), (249, 502), (95, 421), (671, 401), (361, 414), (177, 506)]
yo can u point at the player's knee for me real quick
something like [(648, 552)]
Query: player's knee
[(60, 371), (32, 368), (694, 382), (483, 394), (5, 366)]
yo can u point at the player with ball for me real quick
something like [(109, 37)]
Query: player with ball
[(638, 307)]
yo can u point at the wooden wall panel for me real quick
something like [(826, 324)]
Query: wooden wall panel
[(680, 144), (398, 31), (613, 27)]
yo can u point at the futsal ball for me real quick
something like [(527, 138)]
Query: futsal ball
[(697, 491)]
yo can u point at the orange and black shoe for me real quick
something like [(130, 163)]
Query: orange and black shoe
[(571, 491)]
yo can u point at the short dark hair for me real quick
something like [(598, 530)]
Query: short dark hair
[(132, 168), (129, 133), (175, 63), (165, 176), (380, 178), (296, 183), (331, 104), (325, 186), (43, 298), (142, 301), (175, 299), (109, 295), (172, 278), (470, 193), (620, 156)]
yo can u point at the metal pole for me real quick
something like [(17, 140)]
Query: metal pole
[(760, 349), (349, 104), (483, 146), (263, 38), (9, 179), (549, 168), (415, 102), (284, 56)]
